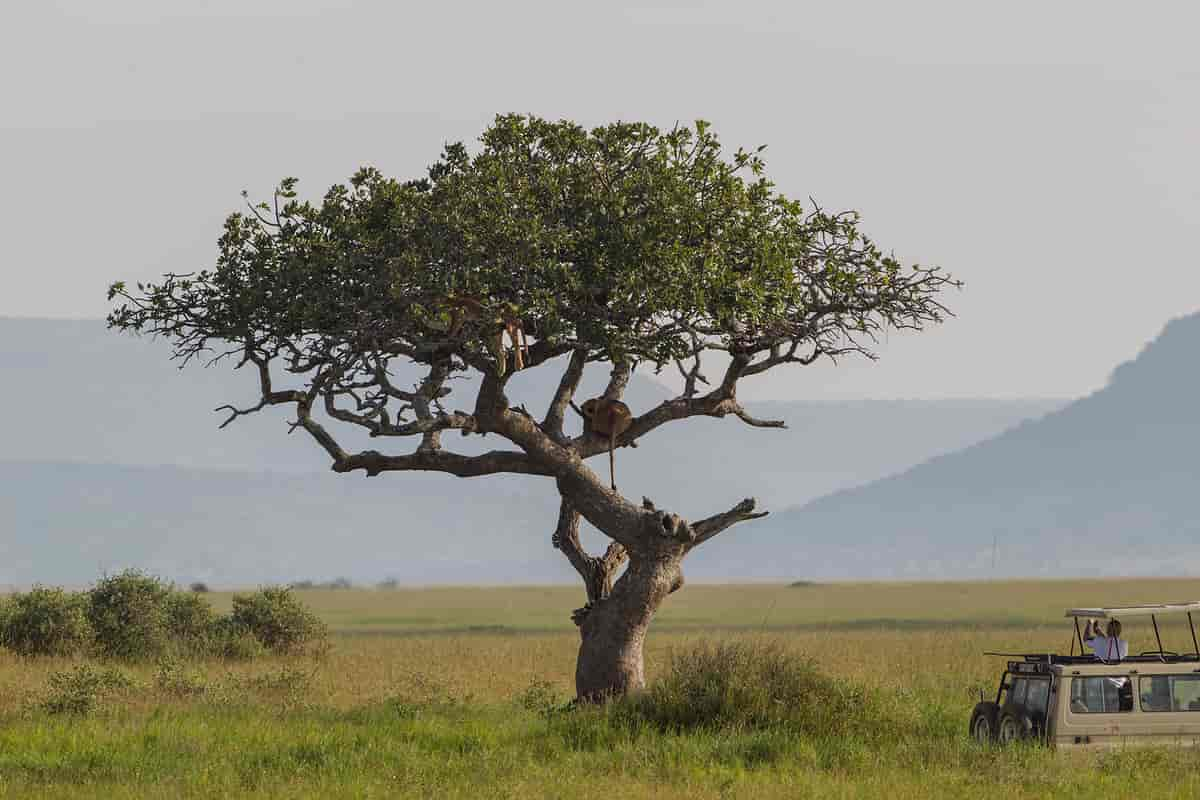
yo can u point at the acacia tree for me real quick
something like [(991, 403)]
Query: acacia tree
[(626, 244)]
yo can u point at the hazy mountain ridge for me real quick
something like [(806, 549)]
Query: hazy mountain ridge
[(251, 503), (69, 522), (1107, 485)]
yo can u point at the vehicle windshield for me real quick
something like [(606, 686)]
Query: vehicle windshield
[(1031, 693)]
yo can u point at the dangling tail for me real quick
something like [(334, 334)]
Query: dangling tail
[(612, 461)]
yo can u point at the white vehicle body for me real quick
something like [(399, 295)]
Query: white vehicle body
[(1082, 701)]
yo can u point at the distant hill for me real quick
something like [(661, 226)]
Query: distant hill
[(1107, 485), (114, 458), (67, 523)]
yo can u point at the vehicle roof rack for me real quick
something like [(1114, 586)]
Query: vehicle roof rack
[(1058, 658), (1140, 610), (1151, 610)]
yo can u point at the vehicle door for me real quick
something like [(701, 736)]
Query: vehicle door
[(1037, 699), (1099, 709)]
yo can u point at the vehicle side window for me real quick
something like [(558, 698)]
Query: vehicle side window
[(1037, 696), (1016, 692), (1170, 692), (1101, 695)]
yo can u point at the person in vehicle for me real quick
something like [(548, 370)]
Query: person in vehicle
[(1106, 644)]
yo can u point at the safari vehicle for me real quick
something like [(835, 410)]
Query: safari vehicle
[(1077, 700)]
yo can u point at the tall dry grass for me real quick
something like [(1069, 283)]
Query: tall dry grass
[(459, 693)]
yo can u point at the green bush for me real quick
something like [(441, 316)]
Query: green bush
[(279, 621), (128, 613), (191, 623), (174, 678), (137, 617), (80, 691), (233, 642), (752, 686), (44, 622), (540, 697)]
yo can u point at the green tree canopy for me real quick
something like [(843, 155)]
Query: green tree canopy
[(627, 244)]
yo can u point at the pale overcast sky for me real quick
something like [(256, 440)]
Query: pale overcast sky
[(1045, 152)]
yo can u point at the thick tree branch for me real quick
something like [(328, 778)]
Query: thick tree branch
[(317, 431), (491, 463), (714, 404), (618, 379), (611, 513), (429, 392), (567, 386), (754, 422), (597, 572), (708, 528), (692, 375), (566, 540)]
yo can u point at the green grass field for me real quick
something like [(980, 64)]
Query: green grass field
[(444, 693)]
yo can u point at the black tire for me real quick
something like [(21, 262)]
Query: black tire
[(984, 722), (1014, 725)]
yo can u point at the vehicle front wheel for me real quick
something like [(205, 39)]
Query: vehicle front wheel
[(1014, 726), (984, 720)]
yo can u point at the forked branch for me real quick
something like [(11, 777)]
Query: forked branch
[(597, 572)]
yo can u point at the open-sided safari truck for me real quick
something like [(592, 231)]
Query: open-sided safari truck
[(1075, 700)]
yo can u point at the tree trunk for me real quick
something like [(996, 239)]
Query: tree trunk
[(612, 626), (614, 629)]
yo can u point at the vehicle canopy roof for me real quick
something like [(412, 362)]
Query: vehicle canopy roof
[(1141, 667), (1141, 610)]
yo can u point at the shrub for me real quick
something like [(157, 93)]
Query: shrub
[(44, 622), (129, 618), (234, 642), (540, 697), (136, 617), (308, 583), (174, 679), (199, 587), (79, 691), (277, 619), (752, 686), (190, 622)]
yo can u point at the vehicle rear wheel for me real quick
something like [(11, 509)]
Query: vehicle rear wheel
[(984, 720)]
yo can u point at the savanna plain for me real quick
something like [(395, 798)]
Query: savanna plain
[(462, 692)]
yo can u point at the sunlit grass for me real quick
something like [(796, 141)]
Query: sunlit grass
[(423, 695)]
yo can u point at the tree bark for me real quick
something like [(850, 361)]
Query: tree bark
[(613, 631), (613, 624)]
